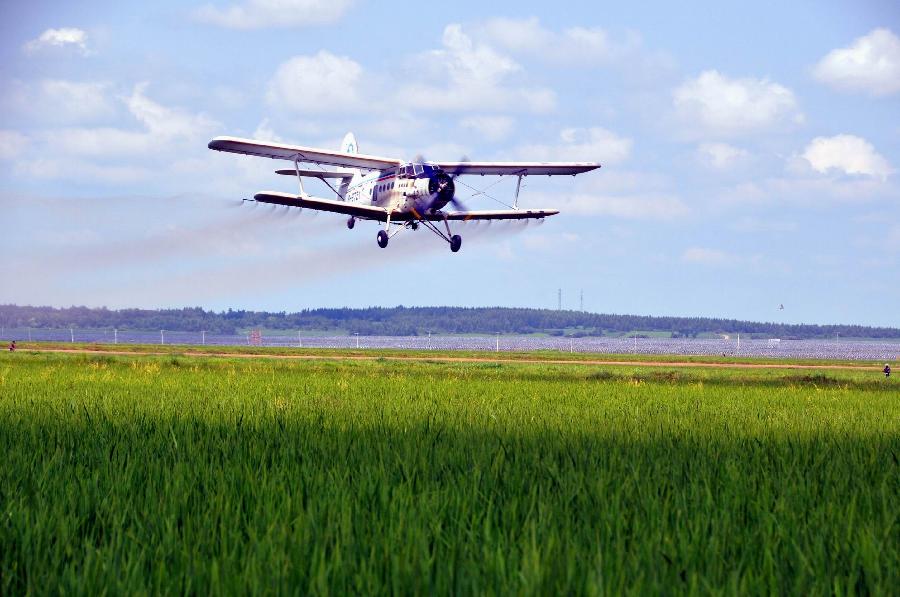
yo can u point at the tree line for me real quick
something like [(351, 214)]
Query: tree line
[(417, 321)]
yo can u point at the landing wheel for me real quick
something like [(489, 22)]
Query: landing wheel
[(351, 223), (455, 242), (382, 238)]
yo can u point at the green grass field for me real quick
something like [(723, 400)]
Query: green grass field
[(176, 474)]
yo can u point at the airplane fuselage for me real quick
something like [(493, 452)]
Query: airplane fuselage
[(405, 189)]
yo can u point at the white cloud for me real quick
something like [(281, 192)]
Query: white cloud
[(58, 38), (82, 171), (472, 76), (649, 206), (167, 123), (59, 100), (100, 141), (720, 105), (12, 144), (166, 138), (720, 156), (870, 65), (320, 83), (848, 154), (492, 128), (548, 242), (576, 45), (257, 14), (593, 144), (706, 256), (265, 132)]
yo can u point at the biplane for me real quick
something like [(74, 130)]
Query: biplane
[(398, 194)]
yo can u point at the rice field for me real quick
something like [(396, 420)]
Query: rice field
[(185, 474)]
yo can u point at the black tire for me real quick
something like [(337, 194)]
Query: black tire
[(351, 223), (455, 242), (382, 238)]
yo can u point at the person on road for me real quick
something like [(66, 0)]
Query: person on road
[(12, 346), (887, 370)]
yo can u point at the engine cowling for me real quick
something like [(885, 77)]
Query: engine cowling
[(441, 189)]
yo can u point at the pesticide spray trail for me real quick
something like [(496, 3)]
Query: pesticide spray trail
[(278, 272)]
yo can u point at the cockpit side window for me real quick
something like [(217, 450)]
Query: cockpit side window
[(418, 169)]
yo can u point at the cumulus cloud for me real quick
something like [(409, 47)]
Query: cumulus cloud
[(166, 137), (638, 206), (720, 105), (847, 154), (705, 256), (466, 75), (258, 14), (573, 46), (12, 144), (492, 128), (165, 122), (720, 156), (871, 64), (59, 38), (59, 100), (594, 144), (320, 83)]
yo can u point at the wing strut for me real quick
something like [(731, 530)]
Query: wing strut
[(518, 186), (299, 178)]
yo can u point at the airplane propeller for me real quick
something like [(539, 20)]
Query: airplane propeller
[(443, 184)]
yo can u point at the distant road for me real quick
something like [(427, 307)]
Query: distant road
[(452, 359)]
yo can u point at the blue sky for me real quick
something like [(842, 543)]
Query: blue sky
[(750, 154)]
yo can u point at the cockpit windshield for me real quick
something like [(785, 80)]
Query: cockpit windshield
[(414, 170)]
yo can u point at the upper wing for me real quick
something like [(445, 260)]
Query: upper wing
[(280, 151), (340, 207), (518, 168)]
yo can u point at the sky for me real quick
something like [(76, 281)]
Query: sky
[(750, 154)]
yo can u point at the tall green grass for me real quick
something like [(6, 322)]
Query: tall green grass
[(182, 474)]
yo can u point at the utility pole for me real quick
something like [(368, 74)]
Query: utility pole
[(115, 336), (559, 299), (581, 301), (299, 339), (162, 337), (71, 332), (357, 339), (497, 349), (203, 337)]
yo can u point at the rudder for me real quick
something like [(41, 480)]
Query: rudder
[(348, 145)]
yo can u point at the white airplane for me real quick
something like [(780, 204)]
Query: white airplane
[(402, 194)]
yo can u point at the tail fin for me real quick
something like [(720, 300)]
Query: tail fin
[(348, 145)]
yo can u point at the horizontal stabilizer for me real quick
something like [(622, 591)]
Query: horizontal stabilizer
[(316, 173)]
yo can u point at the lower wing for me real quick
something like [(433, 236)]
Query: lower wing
[(372, 212)]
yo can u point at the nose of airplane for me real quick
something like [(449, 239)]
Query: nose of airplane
[(442, 189)]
